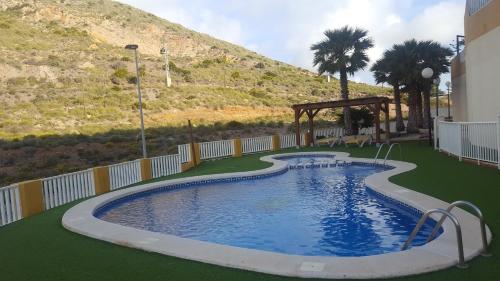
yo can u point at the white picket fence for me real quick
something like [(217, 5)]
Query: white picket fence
[(258, 144), (366, 131), (66, 188), (165, 165), (10, 205), (287, 141), (184, 152), (216, 149), (124, 174), (472, 140)]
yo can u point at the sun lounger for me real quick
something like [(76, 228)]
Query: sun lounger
[(331, 141), (359, 140)]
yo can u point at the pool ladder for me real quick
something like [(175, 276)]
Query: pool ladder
[(388, 152), (447, 214)]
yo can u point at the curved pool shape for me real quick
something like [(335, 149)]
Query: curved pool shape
[(320, 222), (312, 211)]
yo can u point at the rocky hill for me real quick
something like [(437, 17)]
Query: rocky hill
[(63, 69), (67, 87)]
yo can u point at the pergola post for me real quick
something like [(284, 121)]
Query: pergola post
[(297, 128), (387, 124), (377, 122), (310, 117)]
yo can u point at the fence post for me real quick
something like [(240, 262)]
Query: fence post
[(276, 143), (146, 173), (237, 148), (498, 141), (307, 139), (197, 154), (101, 180), (186, 166), (31, 197)]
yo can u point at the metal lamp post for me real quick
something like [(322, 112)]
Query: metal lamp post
[(436, 83), (134, 48), (427, 73), (448, 88)]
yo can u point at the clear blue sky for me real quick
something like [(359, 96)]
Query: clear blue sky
[(284, 29)]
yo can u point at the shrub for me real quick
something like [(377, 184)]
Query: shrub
[(260, 65), (235, 75), (269, 75), (234, 125), (361, 118), (121, 73), (205, 63), (257, 93)]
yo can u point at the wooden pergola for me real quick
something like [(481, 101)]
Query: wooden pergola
[(375, 104)]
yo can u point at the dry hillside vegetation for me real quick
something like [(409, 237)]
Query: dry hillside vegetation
[(67, 86), (63, 70)]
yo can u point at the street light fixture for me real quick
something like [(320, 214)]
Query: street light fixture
[(427, 73), (448, 88), (134, 48)]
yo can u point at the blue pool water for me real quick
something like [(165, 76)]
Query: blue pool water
[(313, 212)]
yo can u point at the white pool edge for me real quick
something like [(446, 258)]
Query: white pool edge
[(438, 254)]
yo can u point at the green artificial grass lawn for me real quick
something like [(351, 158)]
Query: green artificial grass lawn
[(39, 248)]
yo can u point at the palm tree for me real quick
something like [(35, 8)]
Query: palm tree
[(343, 51), (437, 57), (388, 70), (407, 60)]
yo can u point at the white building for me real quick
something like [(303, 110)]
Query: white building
[(476, 71)]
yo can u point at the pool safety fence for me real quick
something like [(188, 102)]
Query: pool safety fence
[(479, 141)]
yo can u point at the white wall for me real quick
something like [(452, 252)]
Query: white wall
[(482, 58), (459, 98)]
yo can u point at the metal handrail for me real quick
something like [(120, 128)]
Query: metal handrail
[(458, 229), (479, 214), (378, 152), (389, 152)]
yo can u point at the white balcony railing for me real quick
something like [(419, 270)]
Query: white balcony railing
[(473, 6)]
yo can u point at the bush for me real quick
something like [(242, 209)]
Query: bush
[(205, 63), (361, 118), (257, 93), (260, 65), (235, 75), (121, 73), (235, 125), (270, 74)]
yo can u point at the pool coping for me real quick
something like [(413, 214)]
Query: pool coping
[(439, 254)]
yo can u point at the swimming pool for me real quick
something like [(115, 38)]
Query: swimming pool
[(313, 205), (321, 208)]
